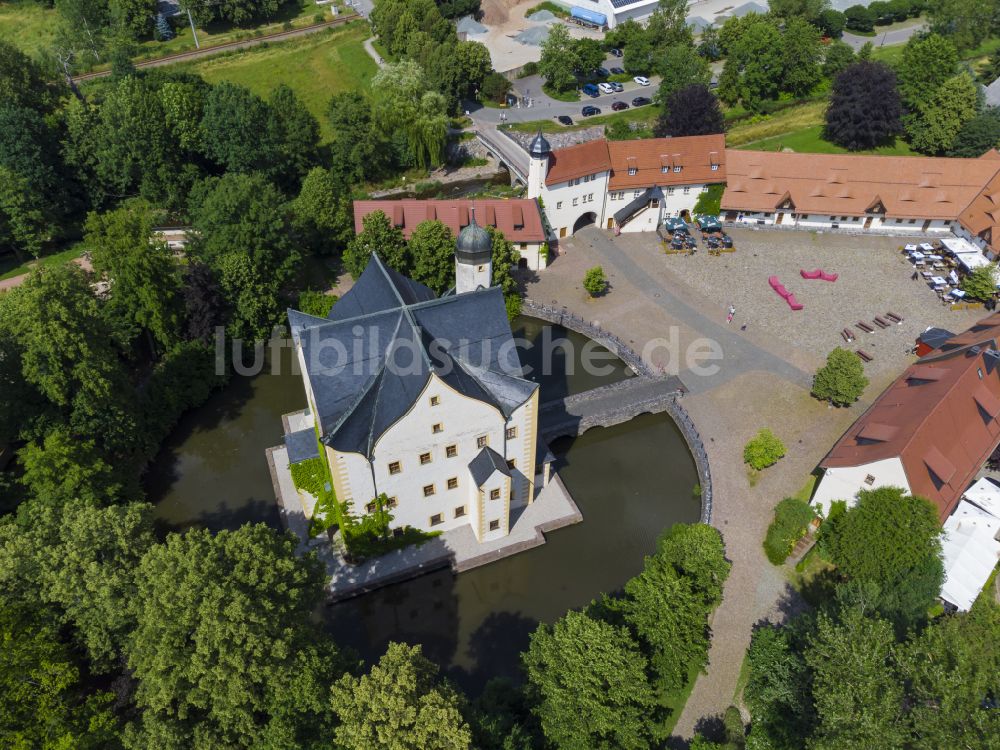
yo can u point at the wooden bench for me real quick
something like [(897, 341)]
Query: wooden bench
[(865, 356), (880, 322), (897, 319), (864, 327), (847, 335)]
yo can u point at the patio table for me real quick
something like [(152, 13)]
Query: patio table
[(938, 281), (910, 248), (926, 274), (927, 247), (917, 255)]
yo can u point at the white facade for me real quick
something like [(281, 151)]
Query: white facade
[(421, 464), (874, 223), (566, 203), (640, 10), (677, 199), (844, 483), (471, 276)]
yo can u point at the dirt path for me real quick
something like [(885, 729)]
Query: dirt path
[(279, 36)]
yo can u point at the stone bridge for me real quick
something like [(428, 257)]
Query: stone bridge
[(506, 151), (607, 405)]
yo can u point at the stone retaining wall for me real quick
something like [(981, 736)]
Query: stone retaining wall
[(562, 316), (697, 448)]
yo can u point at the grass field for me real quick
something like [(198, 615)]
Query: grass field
[(28, 24), (810, 140), (788, 120), (315, 66), (10, 268)]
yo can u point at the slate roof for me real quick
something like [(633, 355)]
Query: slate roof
[(991, 94), (301, 445), (485, 463), (371, 358)]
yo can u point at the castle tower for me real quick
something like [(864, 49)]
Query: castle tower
[(538, 164), (473, 257)]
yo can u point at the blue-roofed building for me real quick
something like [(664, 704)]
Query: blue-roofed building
[(422, 398)]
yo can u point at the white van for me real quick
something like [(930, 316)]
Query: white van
[(606, 88)]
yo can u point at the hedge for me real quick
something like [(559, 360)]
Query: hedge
[(791, 522)]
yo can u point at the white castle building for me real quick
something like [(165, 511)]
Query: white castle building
[(630, 186), (422, 398)]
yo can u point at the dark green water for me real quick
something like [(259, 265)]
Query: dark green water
[(630, 482)]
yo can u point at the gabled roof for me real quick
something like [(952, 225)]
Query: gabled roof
[(519, 219), (363, 383), (694, 154), (981, 217), (578, 161), (917, 187), (939, 418), (486, 462)]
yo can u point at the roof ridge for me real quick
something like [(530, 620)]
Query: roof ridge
[(385, 273), (378, 393)]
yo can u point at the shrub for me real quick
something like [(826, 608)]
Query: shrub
[(710, 202), (529, 69), (763, 450), (859, 18), (316, 303), (841, 381), (595, 282), (309, 476), (495, 87), (981, 283), (368, 535), (791, 522)]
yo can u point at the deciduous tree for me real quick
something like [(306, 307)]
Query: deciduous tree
[(692, 110), (965, 22), (558, 59), (432, 255), (978, 135), (801, 53), (321, 214), (865, 110), (939, 121), (400, 704), (841, 381), (378, 235), (981, 283), (590, 685), (679, 68), (839, 55)]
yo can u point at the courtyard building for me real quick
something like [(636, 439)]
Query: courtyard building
[(628, 186), (421, 399), (883, 194), (520, 220), (930, 432)]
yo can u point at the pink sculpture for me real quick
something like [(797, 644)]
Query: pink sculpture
[(786, 295), (818, 274)]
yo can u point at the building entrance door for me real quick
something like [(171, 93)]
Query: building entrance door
[(779, 218), (868, 222)]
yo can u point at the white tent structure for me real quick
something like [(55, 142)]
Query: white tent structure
[(965, 252), (970, 551)]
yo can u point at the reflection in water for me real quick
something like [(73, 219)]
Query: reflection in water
[(630, 481)]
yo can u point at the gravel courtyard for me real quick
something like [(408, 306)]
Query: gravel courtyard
[(874, 277)]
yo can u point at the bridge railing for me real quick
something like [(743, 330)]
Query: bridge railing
[(562, 316)]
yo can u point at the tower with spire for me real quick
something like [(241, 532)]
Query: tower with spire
[(538, 164), (473, 257)]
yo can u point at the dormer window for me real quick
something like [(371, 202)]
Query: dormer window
[(632, 171), (715, 167), (677, 169), (870, 480), (665, 168)]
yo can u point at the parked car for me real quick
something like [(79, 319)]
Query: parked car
[(617, 87), (591, 90), (565, 119), (641, 80), (602, 72), (641, 101), (590, 111), (616, 52), (606, 88), (619, 106), (616, 71)]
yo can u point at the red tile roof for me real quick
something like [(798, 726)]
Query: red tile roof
[(520, 220), (910, 187), (982, 216), (695, 155), (939, 418), (577, 161)]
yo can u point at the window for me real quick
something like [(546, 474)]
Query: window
[(912, 221), (482, 441), (632, 171), (428, 490), (686, 190), (494, 525), (511, 463), (677, 170), (451, 451), (899, 221), (636, 193), (833, 218), (395, 468), (453, 483), (524, 245), (715, 167), (558, 204), (511, 433), (870, 479), (459, 511), (425, 458), (590, 197), (670, 191), (371, 508), (437, 519), (391, 502), (480, 269), (495, 494), (435, 400), (575, 201), (437, 428), (979, 370), (665, 169)]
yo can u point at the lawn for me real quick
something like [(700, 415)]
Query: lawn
[(31, 26), (315, 66), (9, 267), (810, 140)]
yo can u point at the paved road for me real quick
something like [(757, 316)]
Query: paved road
[(885, 38), (372, 52), (280, 36), (512, 153)]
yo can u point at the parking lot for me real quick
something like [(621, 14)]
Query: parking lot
[(873, 278)]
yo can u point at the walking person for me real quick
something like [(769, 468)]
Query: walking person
[(732, 314)]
